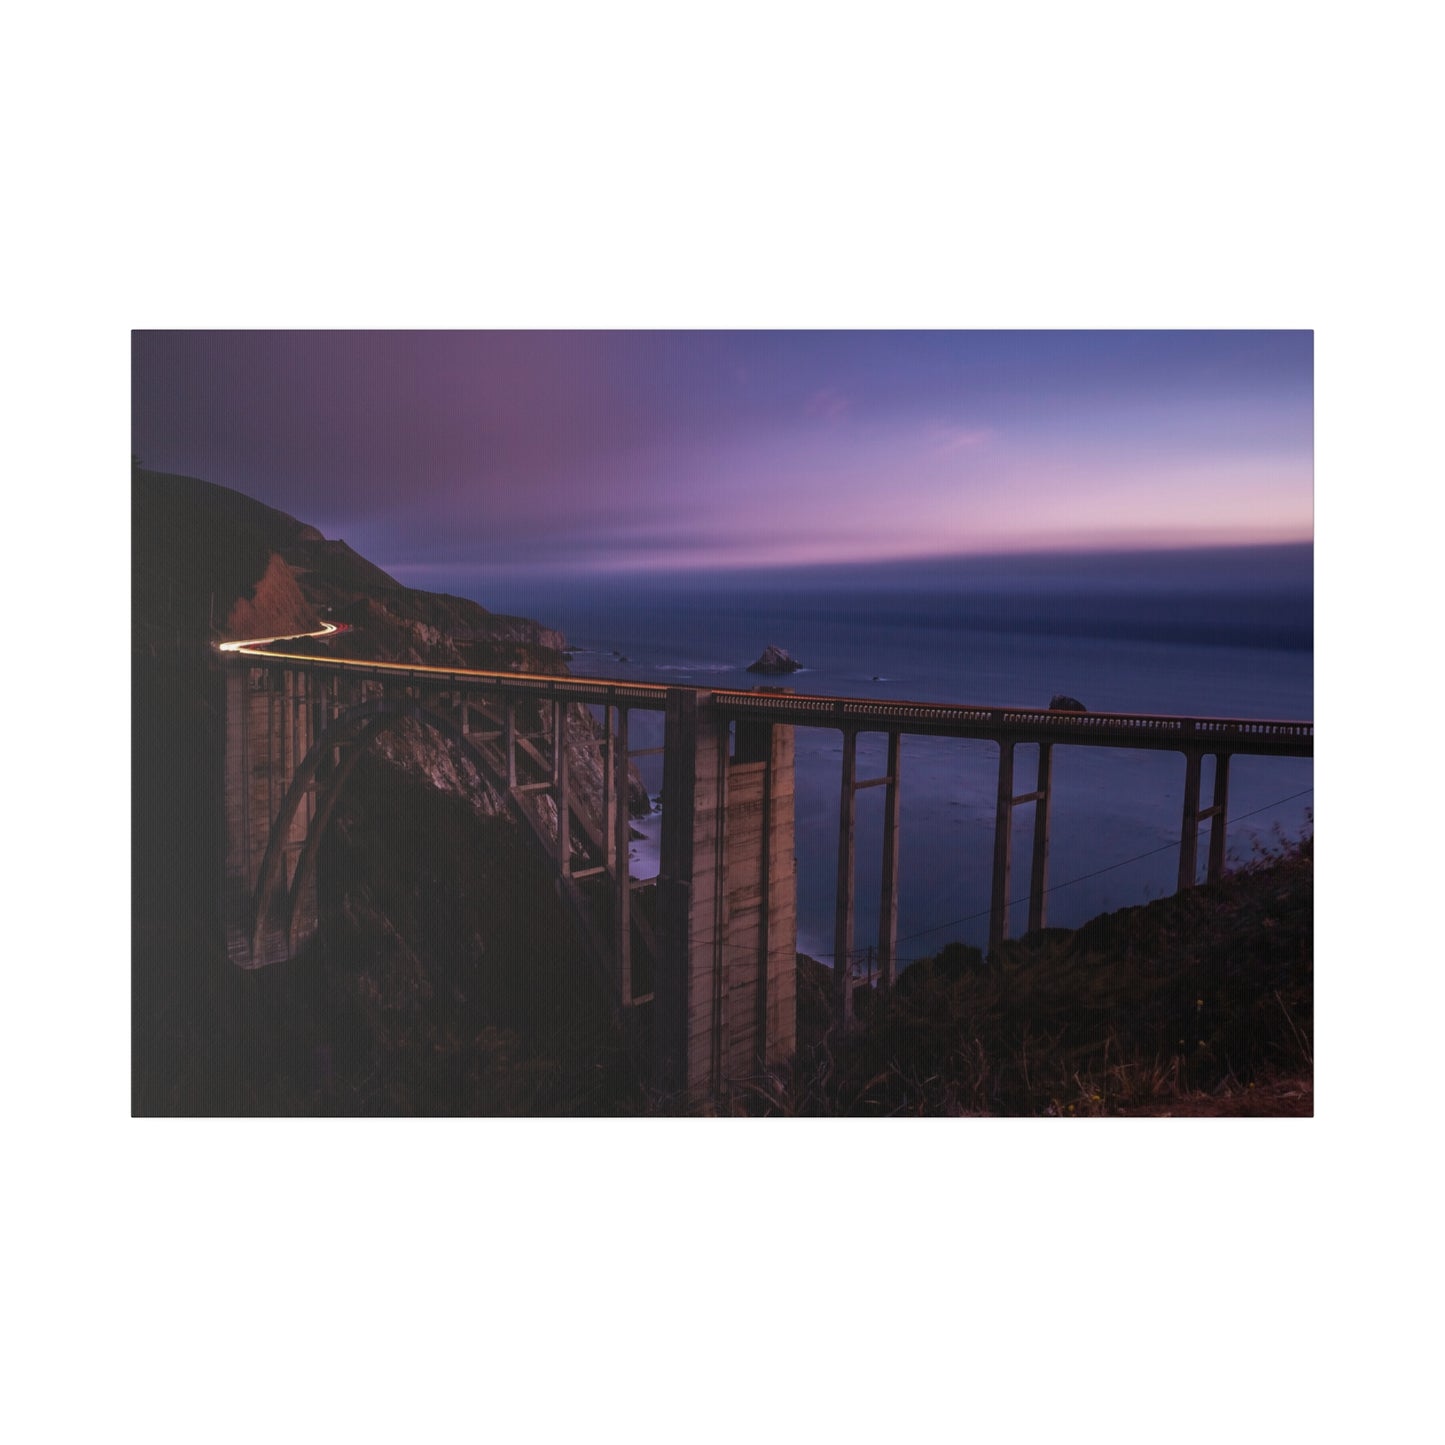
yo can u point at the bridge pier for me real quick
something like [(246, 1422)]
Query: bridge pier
[(888, 900), (1003, 842), (267, 735), (847, 868), (1217, 814), (1002, 847), (844, 984), (560, 787), (1219, 819), (620, 847), (725, 995)]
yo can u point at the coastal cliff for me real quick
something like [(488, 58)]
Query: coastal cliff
[(443, 979)]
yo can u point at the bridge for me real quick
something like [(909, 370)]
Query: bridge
[(701, 973)]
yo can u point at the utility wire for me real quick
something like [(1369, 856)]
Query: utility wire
[(863, 952), (1054, 887)]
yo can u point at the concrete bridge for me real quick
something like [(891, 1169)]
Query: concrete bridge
[(702, 978)]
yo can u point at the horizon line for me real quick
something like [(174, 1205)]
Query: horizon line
[(580, 568)]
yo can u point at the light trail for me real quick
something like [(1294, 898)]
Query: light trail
[(1258, 736), (327, 628)]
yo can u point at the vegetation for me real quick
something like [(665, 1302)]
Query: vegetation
[(444, 979), (1197, 1004)]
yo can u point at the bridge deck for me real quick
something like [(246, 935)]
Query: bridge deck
[(1257, 736)]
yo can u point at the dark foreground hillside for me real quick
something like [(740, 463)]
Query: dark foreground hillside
[(445, 978), (1198, 1004)]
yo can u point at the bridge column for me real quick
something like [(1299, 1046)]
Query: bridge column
[(511, 731), (1002, 847), (888, 903), (609, 797), (238, 875), (1189, 826), (1039, 873), (726, 986), (560, 787), (620, 849), (333, 709), (687, 989), (760, 928), (1219, 808), (263, 746), (843, 893)]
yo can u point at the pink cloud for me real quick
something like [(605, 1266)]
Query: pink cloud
[(828, 404), (947, 439)]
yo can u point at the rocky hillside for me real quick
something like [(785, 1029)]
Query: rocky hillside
[(444, 979), (210, 564)]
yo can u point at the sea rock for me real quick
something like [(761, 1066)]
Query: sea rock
[(775, 660), (1062, 702)]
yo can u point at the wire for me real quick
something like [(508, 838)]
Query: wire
[(1083, 877), (859, 954)]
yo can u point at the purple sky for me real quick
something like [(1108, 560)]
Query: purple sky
[(663, 450)]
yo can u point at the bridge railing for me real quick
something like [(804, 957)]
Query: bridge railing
[(866, 714), (1274, 735)]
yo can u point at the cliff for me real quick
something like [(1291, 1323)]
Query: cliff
[(211, 564), (444, 979)]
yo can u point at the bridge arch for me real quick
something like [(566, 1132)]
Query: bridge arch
[(356, 728)]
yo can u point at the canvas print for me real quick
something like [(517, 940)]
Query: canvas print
[(866, 723)]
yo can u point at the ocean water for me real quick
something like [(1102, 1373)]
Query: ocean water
[(1221, 634)]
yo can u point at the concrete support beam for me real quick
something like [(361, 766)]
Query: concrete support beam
[(1002, 847), (843, 897), (778, 941), (760, 929), (725, 994), (511, 731), (1189, 825), (609, 793), (266, 737), (621, 855), (765, 904), (888, 901), (1219, 823), (689, 894), (560, 788), (1039, 873)]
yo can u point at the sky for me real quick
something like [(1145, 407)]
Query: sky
[(586, 452)]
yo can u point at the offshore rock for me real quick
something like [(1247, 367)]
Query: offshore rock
[(775, 660), (1062, 702)]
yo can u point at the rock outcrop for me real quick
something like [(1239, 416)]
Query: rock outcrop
[(273, 608), (211, 564), (774, 660)]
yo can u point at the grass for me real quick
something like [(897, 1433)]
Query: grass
[(1197, 1004)]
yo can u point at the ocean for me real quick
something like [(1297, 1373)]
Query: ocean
[(1221, 633)]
